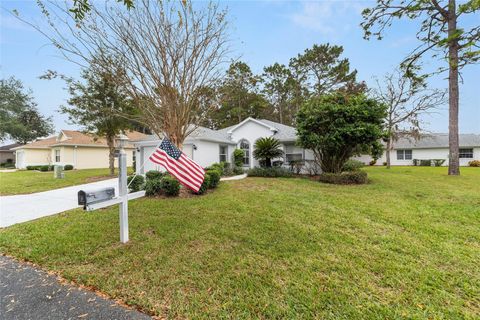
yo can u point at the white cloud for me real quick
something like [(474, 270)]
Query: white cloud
[(329, 17)]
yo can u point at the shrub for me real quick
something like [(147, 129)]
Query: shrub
[(438, 162), (214, 178), (273, 172), (474, 163), (238, 170), (228, 171), (349, 177), (68, 167), (153, 187), (416, 162), (32, 168), (266, 149), (217, 166), (352, 165), (170, 186), (154, 175), (384, 163), (372, 163), (205, 185), (44, 168), (426, 163), (137, 184), (296, 166), (238, 157)]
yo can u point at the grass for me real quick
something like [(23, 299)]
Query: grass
[(29, 181), (407, 245)]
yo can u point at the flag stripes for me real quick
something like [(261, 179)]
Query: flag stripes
[(185, 170)]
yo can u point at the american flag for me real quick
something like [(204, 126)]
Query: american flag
[(185, 170)]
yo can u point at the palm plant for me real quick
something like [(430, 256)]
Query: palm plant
[(267, 149)]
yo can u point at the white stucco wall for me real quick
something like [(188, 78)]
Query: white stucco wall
[(251, 131)]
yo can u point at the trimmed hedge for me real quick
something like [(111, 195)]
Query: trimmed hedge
[(273, 172), (137, 184), (214, 178), (205, 185), (153, 187), (348, 177), (68, 167), (154, 175), (33, 167), (438, 162), (169, 186), (352, 165)]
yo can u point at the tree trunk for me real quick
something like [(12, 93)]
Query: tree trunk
[(387, 151), (111, 154), (268, 162), (453, 93)]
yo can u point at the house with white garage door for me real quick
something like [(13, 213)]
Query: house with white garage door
[(206, 146)]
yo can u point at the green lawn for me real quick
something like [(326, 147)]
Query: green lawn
[(407, 245), (29, 181)]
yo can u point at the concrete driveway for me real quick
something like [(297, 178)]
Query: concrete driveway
[(26, 207)]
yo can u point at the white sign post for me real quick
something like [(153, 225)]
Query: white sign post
[(123, 195)]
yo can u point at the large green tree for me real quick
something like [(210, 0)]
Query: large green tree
[(239, 97), (321, 69), (101, 105), (20, 119), (338, 126), (440, 36), (284, 92)]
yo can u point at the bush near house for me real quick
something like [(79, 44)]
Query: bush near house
[(273, 172), (153, 187), (136, 183), (169, 186), (348, 177), (238, 157), (438, 162), (205, 185), (154, 175), (474, 163), (68, 167), (214, 178)]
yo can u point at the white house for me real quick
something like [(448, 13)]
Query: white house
[(430, 146), (207, 146)]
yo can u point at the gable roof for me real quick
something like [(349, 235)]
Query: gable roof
[(76, 138), (281, 132), (437, 140)]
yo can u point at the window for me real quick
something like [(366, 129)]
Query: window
[(57, 155), (466, 153), (404, 154), (293, 153), (223, 153), (245, 146)]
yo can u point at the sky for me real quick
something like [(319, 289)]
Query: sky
[(262, 33)]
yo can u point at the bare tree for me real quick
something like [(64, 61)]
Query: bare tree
[(406, 99), (170, 51)]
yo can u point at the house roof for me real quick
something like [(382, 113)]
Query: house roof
[(281, 132), (76, 138), (8, 147), (437, 140)]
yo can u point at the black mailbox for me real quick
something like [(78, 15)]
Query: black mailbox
[(86, 197)]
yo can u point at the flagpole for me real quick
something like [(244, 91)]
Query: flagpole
[(144, 162)]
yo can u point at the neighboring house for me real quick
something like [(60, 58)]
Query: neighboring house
[(207, 146), (6, 154), (82, 150), (430, 146)]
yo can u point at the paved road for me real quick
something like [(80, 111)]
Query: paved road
[(28, 293), (21, 208)]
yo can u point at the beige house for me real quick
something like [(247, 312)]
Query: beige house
[(82, 150)]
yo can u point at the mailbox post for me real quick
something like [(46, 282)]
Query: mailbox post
[(122, 187)]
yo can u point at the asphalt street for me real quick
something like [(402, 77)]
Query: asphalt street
[(29, 293)]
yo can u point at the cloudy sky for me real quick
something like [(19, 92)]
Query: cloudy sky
[(263, 32)]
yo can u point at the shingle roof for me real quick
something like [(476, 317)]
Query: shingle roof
[(437, 140), (6, 148), (283, 133), (78, 138)]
